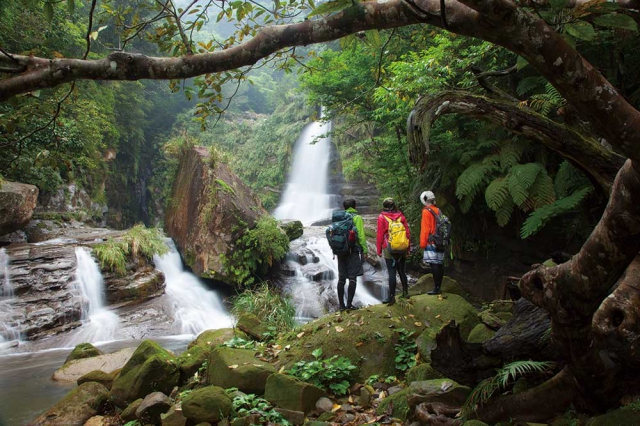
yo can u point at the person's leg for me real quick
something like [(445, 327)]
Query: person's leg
[(391, 269), (351, 292), (438, 272), (342, 279), (403, 277)]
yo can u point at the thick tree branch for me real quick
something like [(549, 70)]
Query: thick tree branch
[(594, 160)]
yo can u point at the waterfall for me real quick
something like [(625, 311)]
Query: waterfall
[(99, 323), (195, 307), (5, 275), (306, 196), (9, 336)]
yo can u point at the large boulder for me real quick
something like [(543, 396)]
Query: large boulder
[(83, 350), (238, 368), (210, 208), (17, 202), (290, 393), (209, 404), (76, 407), (75, 369), (151, 368)]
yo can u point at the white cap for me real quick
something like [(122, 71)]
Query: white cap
[(427, 196)]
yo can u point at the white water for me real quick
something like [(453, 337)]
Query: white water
[(99, 324), (5, 275), (195, 308), (306, 196), (9, 336)]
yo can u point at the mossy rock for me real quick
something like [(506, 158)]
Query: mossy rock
[(480, 333), (287, 392), (99, 376), (191, 360), (209, 339), (251, 325), (491, 320), (293, 228), (400, 405), (425, 284), (209, 404), (621, 416), (474, 423), (150, 369), (422, 372), (83, 350), (501, 306), (367, 336), (76, 407), (173, 417), (129, 413), (426, 342), (238, 368)]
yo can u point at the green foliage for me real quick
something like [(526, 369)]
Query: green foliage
[(375, 378), (265, 303), (246, 405), (331, 374), (256, 251), (541, 216), (406, 350), (240, 343), (505, 376), (139, 241)]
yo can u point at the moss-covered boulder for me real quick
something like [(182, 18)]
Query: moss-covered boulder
[(425, 284), (191, 360), (367, 336), (209, 339), (621, 416), (288, 392), (150, 369), (422, 372), (443, 391), (173, 417), (76, 407), (108, 363), (209, 404), (293, 228), (252, 326), (99, 376), (239, 368), (426, 342), (129, 413), (491, 320), (480, 333), (83, 350), (152, 406)]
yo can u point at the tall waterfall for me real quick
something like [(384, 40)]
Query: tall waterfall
[(99, 323), (195, 308), (306, 196), (5, 275), (8, 333)]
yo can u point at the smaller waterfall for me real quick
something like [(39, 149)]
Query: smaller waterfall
[(306, 196), (99, 323), (9, 336), (195, 307), (5, 275)]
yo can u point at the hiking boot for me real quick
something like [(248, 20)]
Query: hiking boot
[(343, 308), (434, 291), (390, 301), (405, 295), (351, 308)]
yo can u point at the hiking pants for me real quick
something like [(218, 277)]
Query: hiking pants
[(393, 266)]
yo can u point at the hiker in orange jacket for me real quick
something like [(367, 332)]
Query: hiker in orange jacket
[(395, 263), (427, 228)]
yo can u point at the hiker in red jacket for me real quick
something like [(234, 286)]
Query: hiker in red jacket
[(427, 228), (395, 259)]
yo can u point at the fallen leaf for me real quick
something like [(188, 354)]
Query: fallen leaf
[(417, 324), (339, 329), (411, 316), (336, 407), (359, 344), (286, 348), (299, 335), (438, 316), (233, 366)]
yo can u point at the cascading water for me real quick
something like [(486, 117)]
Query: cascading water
[(306, 196), (8, 334), (195, 308), (5, 275), (99, 323)]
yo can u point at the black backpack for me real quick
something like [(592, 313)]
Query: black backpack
[(341, 234), (441, 238)]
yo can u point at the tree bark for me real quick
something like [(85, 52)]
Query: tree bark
[(586, 152)]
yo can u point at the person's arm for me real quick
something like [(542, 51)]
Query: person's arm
[(425, 228), (362, 239), (380, 234)]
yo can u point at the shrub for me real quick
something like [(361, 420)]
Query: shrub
[(246, 405), (330, 374), (267, 304)]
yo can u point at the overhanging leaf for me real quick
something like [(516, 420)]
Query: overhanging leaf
[(48, 11), (616, 20), (581, 30)]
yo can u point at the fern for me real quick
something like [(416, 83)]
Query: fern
[(505, 375), (550, 100), (504, 212), (568, 179), (529, 84), (541, 216), (521, 178), (511, 153), (467, 156), (497, 193), (542, 191), (470, 182)]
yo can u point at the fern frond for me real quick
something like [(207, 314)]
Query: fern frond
[(529, 84), (511, 153), (492, 161), (521, 178), (542, 191), (497, 193), (541, 104), (568, 179), (487, 144), (470, 180), (465, 203), (503, 214), (543, 215), (554, 96), (467, 156)]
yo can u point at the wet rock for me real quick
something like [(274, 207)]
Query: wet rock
[(324, 404), (143, 282), (293, 228), (209, 404), (107, 363), (294, 417), (239, 368), (83, 350), (17, 203), (105, 379), (287, 392), (129, 413), (76, 407), (210, 210), (152, 406), (151, 368), (173, 417), (252, 326), (314, 272)]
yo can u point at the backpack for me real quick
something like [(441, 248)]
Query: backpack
[(341, 234), (442, 236), (398, 243)]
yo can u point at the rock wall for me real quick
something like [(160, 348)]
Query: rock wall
[(17, 203), (209, 209)]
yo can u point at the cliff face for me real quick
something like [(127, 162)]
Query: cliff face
[(210, 207), (17, 202)]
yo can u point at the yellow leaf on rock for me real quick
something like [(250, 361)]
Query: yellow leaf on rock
[(233, 366), (336, 407), (417, 324), (299, 335), (339, 329)]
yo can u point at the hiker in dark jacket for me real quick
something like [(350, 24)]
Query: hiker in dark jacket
[(395, 262), (350, 265), (431, 256)]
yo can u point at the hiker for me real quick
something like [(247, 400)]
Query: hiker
[(393, 242), (350, 264), (433, 257)]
